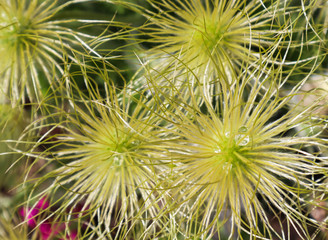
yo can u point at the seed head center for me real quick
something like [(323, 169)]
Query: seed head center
[(209, 34)]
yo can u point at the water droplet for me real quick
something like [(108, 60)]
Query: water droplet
[(245, 141), (242, 139), (118, 160), (227, 134), (135, 143), (217, 150), (242, 129), (227, 167)]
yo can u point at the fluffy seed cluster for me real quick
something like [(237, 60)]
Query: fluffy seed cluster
[(205, 39), (33, 47), (215, 136), (236, 160), (107, 163)]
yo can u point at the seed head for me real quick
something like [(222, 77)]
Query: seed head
[(34, 47), (213, 38), (110, 159), (243, 161)]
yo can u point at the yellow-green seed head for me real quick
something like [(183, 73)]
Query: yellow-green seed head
[(234, 163), (34, 47), (110, 159), (212, 39)]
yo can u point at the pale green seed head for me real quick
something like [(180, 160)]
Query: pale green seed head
[(198, 42), (234, 162), (110, 157), (34, 47)]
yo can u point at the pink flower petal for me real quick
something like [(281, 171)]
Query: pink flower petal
[(31, 222), (42, 204), (50, 230), (46, 231), (71, 236)]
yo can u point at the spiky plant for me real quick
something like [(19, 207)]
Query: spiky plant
[(319, 17), (9, 232), (309, 36), (317, 13), (108, 158), (34, 46), (209, 38), (241, 160)]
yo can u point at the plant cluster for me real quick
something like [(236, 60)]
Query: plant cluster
[(163, 119)]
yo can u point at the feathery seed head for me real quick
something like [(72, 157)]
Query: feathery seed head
[(107, 158), (235, 162), (211, 38), (33, 46)]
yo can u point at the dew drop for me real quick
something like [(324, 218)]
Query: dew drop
[(135, 143), (242, 139), (117, 160), (242, 129), (217, 150), (227, 167)]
